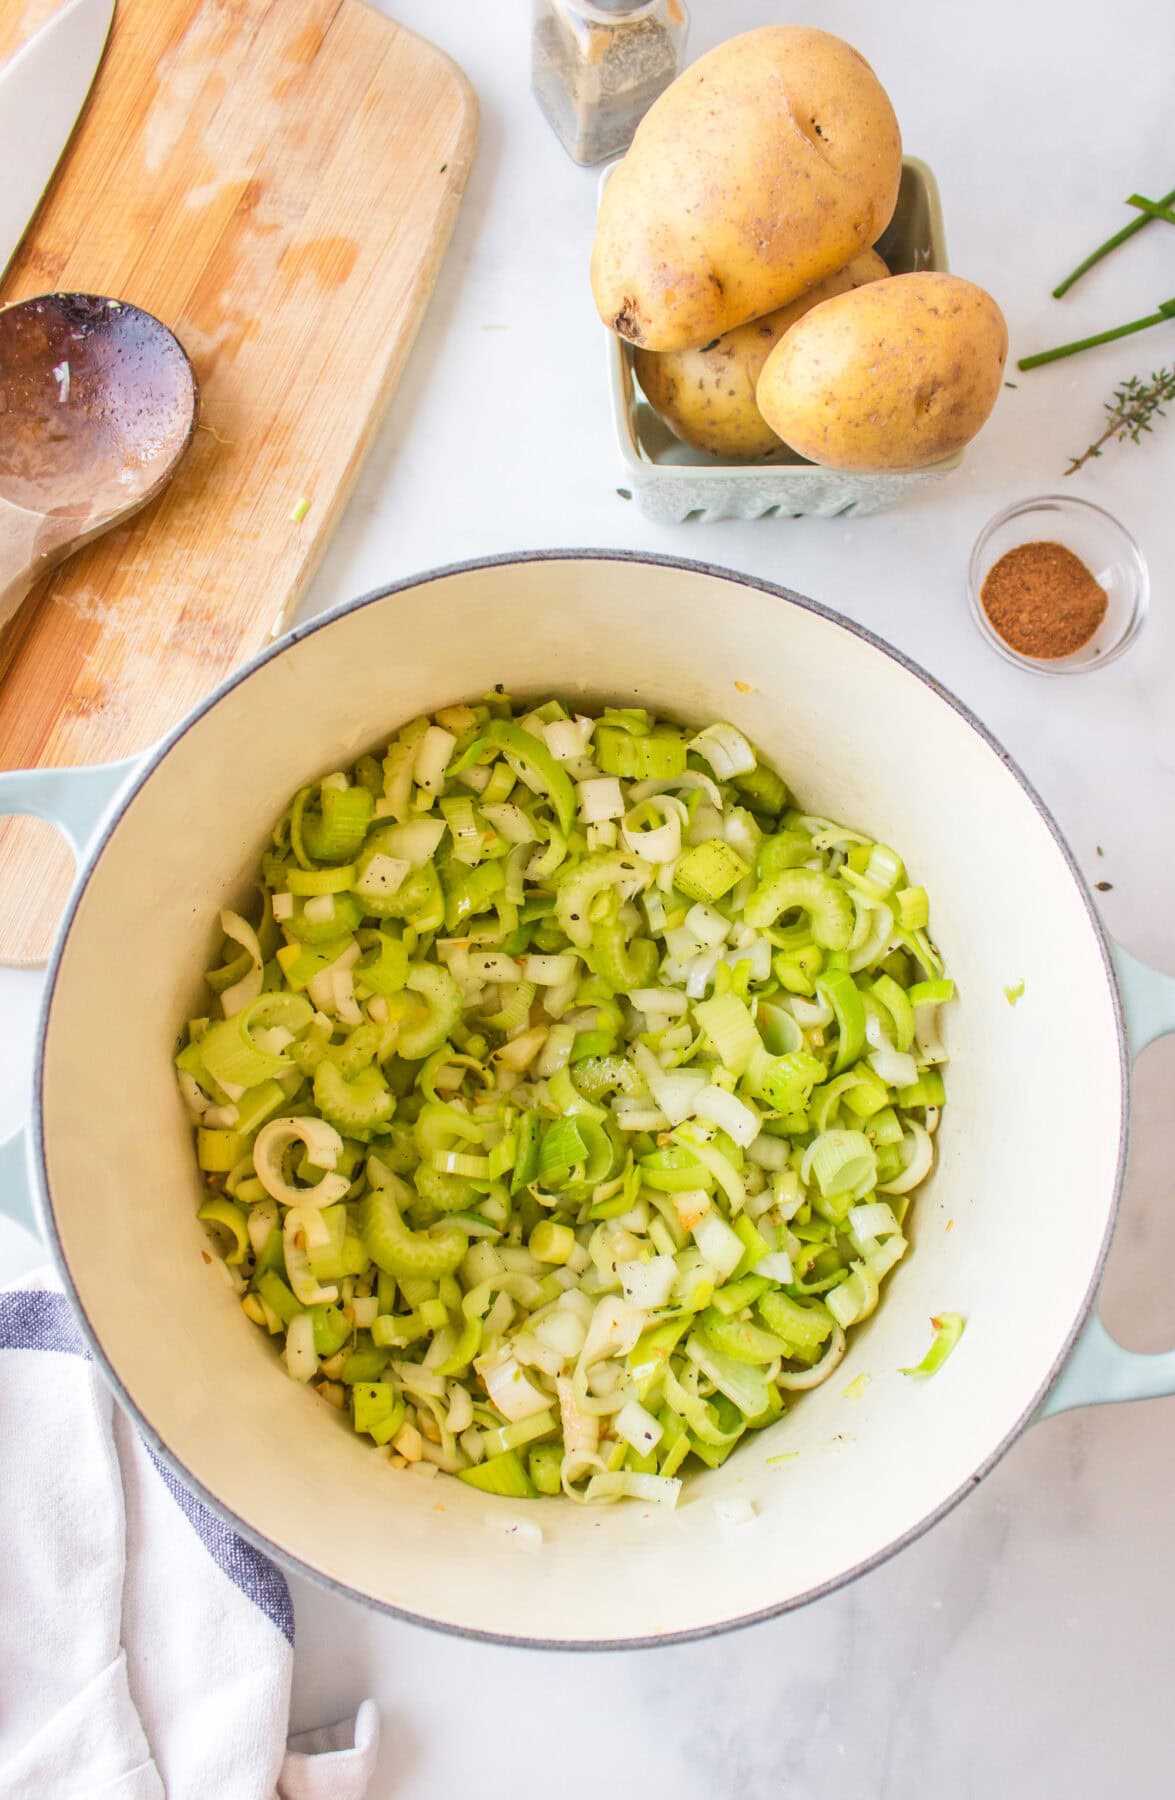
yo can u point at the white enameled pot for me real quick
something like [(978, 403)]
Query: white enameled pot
[(1011, 1231)]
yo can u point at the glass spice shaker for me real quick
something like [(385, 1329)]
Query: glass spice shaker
[(598, 65)]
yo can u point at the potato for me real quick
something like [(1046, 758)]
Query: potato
[(769, 164), (892, 376), (707, 396)]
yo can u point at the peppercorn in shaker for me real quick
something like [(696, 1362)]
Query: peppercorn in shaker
[(598, 65)]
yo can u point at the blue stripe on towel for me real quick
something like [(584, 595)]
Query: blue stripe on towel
[(32, 1319)]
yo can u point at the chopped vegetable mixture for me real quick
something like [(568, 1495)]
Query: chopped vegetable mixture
[(563, 1112)]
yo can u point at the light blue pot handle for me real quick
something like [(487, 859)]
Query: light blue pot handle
[(1099, 1369), (76, 801)]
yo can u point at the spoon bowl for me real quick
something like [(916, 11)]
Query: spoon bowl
[(97, 406)]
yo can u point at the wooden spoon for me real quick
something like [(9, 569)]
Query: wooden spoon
[(97, 405)]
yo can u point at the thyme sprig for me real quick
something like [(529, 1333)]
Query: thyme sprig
[(1135, 407)]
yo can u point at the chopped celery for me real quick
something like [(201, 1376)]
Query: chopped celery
[(337, 831), (522, 1431), (649, 757), (828, 906), (802, 1327), (360, 1107), (332, 1328), (544, 1463), (552, 1243), (739, 1339), (218, 1149), (400, 1251), (423, 1032), (378, 1409), (503, 1474), (709, 870)]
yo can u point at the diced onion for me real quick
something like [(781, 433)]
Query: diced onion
[(721, 1247), (691, 1205), (263, 1218), (600, 798), (550, 971), (491, 965), (382, 875), (669, 1001), (638, 1427), (675, 1091), (707, 925), (769, 1152), (416, 841), (699, 973), (648, 1283), (511, 1392), (432, 758), (733, 1116), (562, 1332), (322, 984), (301, 1360), (510, 822), (614, 1329), (757, 954), (567, 738)]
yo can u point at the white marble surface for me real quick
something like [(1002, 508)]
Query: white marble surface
[(1022, 1649)]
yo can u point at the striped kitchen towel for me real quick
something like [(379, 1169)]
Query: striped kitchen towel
[(145, 1648)]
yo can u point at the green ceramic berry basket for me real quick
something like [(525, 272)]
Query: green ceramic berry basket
[(674, 483)]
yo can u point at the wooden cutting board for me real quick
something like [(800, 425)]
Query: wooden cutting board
[(276, 180)]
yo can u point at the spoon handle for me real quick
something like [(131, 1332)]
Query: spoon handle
[(30, 544)]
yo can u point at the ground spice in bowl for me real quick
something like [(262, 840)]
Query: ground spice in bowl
[(1043, 600)]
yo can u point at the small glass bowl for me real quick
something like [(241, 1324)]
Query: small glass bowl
[(1104, 546)]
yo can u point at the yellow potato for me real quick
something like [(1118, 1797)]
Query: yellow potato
[(892, 376), (707, 396), (769, 164)]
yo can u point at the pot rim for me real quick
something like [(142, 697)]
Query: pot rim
[(154, 758)]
